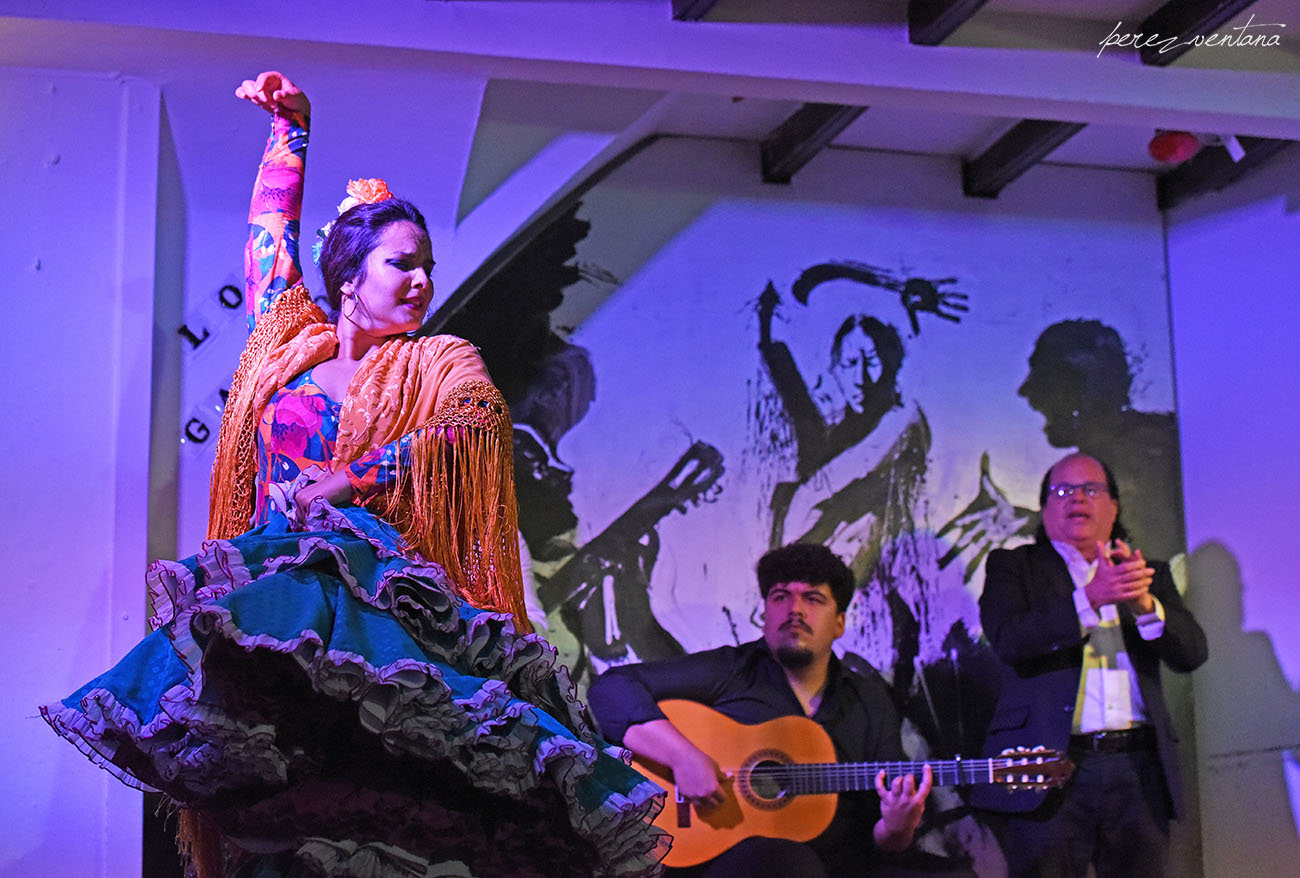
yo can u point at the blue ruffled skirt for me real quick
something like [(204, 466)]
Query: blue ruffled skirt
[(321, 697)]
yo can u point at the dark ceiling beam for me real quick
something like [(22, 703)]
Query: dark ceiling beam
[(1027, 143), (692, 10), (1213, 169), (930, 22), (1182, 21), (796, 140)]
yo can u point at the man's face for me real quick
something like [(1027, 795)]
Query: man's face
[(800, 622), (1079, 519)]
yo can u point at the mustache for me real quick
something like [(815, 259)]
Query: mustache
[(793, 623)]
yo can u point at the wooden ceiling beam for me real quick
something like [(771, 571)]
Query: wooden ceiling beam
[(1179, 22), (692, 10), (930, 22), (808, 131), (1213, 169), (1027, 143)]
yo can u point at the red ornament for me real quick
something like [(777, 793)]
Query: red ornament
[(1173, 147)]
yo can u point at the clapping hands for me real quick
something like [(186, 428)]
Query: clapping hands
[(1123, 577)]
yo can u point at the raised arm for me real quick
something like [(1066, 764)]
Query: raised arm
[(271, 262)]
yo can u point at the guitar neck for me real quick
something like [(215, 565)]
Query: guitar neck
[(840, 777)]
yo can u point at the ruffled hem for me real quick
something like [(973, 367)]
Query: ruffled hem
[(346, 859), (290, 656)]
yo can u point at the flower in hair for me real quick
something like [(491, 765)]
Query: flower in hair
[(370, 191)]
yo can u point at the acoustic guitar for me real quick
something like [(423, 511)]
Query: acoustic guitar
[(783, 779)]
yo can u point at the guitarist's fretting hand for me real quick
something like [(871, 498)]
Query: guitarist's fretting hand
[(901, 805)]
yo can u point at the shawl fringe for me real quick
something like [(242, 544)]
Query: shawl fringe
[(455, 503)]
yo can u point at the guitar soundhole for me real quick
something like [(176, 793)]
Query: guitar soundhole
[(765, 781)]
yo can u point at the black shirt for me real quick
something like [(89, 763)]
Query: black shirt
[(748, 685)]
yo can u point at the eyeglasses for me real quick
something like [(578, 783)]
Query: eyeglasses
[(1089, 489)]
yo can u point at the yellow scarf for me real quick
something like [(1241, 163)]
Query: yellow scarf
[(454, 502)]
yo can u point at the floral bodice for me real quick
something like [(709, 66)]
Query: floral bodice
[(295, 444), (295, 441)]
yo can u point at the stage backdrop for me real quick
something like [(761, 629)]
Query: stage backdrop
[(702, 367)]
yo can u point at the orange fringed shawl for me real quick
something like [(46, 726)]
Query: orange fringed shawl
[(455, 501)]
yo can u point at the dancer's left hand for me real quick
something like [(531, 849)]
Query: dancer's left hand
[(335, 488)]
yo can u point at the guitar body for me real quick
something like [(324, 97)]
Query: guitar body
[(753, 807)]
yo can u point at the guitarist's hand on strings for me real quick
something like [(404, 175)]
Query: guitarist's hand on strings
[(699, 779), (696, 776), (901, 805)]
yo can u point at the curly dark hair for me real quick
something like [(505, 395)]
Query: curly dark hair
[(810, 563), (354, 234)]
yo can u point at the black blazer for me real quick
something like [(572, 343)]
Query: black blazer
[(1027, 610)]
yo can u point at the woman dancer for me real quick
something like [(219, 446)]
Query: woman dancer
[(350, 689)]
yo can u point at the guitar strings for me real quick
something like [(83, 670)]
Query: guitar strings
[(807, 778)]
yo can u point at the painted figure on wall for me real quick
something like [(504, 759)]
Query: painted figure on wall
[(859, 489), (595, 595), (844, 405)]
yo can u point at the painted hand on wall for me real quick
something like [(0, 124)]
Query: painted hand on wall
[(917, 294)]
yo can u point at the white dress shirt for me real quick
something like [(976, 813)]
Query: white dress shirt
[(1109, 697)]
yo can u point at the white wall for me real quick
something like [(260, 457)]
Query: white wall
[(1233, 262), (79, 160)]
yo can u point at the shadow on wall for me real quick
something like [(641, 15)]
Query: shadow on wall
[(1248, 729), (159, 856), (1081, 374)]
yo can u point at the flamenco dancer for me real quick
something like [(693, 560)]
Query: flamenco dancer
[(350, 686)]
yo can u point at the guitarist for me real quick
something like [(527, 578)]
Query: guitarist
[(791, 670)]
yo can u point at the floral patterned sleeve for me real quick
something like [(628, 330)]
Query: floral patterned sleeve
[(375, 471), (271, 263)]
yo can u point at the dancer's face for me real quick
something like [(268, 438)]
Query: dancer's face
[(393, 292)]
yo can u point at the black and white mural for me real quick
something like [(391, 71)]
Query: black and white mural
[(701, 368)]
